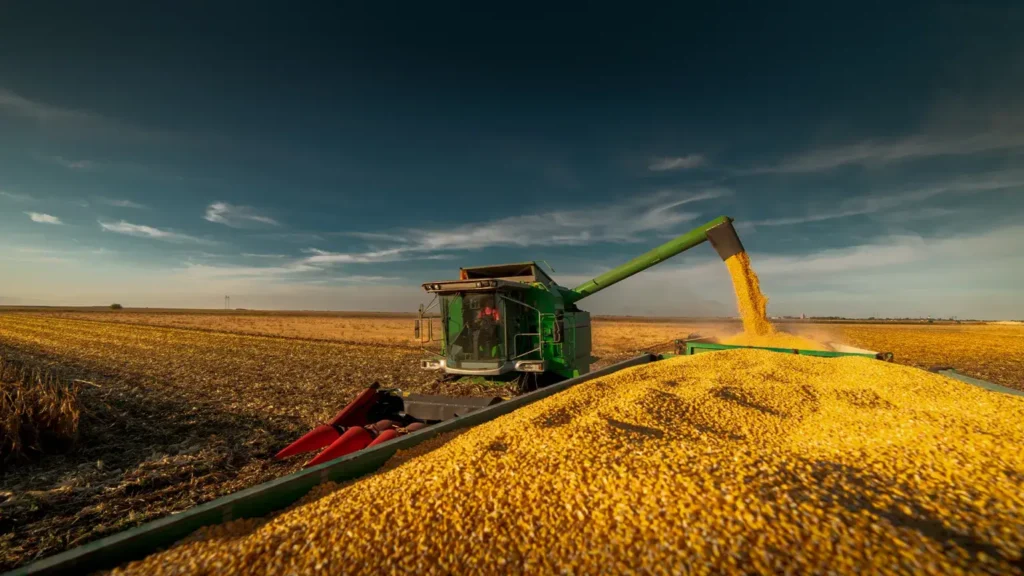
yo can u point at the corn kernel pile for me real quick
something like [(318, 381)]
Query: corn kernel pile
[(742, 460), (753, 308)]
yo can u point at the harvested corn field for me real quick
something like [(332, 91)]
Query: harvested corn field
[(357, 328), (175, 418), (738, 461), (993, 352)]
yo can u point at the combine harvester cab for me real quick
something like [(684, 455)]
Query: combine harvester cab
[(509, 323)]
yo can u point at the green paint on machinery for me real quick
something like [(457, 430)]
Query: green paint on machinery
[(514, 321), (691, 347)]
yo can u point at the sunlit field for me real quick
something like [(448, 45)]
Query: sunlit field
[(179, 408)]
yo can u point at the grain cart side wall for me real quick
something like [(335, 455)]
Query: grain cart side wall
[(577, 337)]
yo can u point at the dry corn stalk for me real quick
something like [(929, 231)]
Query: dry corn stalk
[(39, 411)]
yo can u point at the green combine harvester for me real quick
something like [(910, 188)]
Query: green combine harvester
[(510, 322), (513, 321)]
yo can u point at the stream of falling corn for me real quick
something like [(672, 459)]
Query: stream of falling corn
[(753, 309), (736, 461)]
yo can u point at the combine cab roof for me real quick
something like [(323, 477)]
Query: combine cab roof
[(483, 278), (527, 272)]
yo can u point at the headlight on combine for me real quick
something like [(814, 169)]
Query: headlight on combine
[(431, 364), (530, 366)]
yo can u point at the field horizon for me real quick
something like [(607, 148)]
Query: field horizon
[(413, 315)]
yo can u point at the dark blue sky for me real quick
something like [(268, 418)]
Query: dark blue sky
[(316, 156)]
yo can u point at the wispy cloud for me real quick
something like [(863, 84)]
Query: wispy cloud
[(874, 153), (251, 255), (43, 218), (364, 279), (52, 117), (325, 257), (881, 203), (74, 164), (18, 105), (622, 222), (295, 237), (32, 258), (15, 196), (353, 279), (40, 254), (373, 236), (236, 216), (142, 231), (677, 163), (207, 271), (120, 203)]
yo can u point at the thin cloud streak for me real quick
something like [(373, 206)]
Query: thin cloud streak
[(20, 106), (353, 279), (120, 203), (51, 117), (677, 163), (374, 236), (325, 257), (874, 153), (623, 222), (236, 216), (143, 231), (43, 218), (205, 271), (16, 197), (867, 205), (74, 164)]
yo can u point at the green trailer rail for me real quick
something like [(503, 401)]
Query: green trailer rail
[(691, 347), (276, 495)]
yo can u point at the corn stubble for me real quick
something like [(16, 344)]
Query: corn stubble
[(178, 418), (742, 460), (39, 411)]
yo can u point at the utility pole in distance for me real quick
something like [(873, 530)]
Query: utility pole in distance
[(227, 302)]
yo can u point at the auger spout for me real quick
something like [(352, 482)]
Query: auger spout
[(719, 232)]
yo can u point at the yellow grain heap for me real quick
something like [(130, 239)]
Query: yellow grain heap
[(753, 308), (735, 461)]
